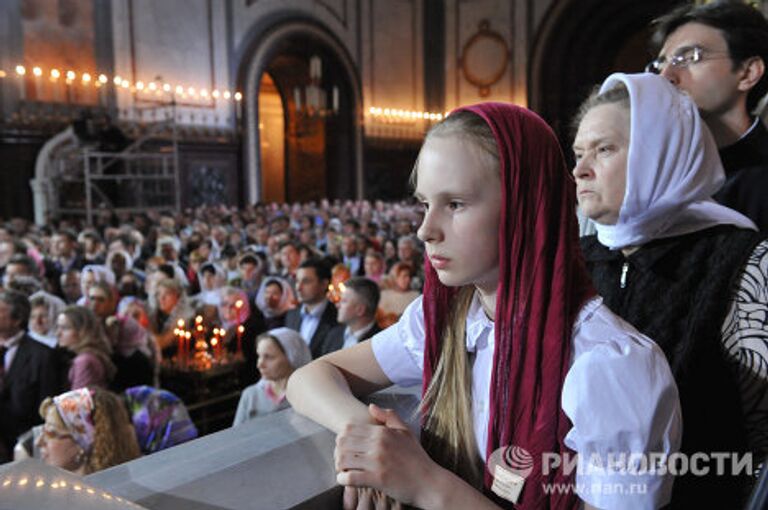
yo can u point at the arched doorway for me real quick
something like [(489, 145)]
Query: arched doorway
[(579, 44), (319, 100)]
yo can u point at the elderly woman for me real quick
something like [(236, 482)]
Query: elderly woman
[(274, 299), (91, 274), (235, 311), (132, 352), (680, 267), (79, 332), (86, 430), (280, 351), (170, 306), (45, 308)]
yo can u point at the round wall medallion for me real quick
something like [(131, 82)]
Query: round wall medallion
[(484, 58)]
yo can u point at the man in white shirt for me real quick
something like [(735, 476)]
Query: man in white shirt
[(357, 315), (316, 316)]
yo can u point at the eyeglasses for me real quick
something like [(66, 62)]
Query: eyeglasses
[(685, 57)]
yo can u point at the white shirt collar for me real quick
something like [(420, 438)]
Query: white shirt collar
[(317, 311), (360, 332), (748, 131), (478, 325)]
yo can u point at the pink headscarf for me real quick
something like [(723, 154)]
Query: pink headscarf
[(543, 284)]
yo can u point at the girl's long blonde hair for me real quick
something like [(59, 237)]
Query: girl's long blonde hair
[(91, 336), (448, 432)]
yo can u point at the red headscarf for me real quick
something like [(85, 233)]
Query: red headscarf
[(543, 284)]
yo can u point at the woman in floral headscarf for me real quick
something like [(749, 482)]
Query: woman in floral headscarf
[(86, 430)]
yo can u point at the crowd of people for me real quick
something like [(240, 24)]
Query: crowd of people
[(96, 306), (649, 337)]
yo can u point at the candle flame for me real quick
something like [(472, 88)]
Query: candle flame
[(240, 329), (239, 303)]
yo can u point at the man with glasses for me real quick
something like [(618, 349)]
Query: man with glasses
[(717, 53)]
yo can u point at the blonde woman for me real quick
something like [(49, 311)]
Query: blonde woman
[(86, 430), (79, 331), (514, 349)]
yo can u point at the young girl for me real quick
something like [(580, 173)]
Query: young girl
[(280, 352), (80, 332), (515, 351)]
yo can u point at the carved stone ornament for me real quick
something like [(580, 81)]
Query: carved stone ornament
[(484, 58)]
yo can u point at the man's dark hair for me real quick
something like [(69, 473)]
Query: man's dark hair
[(19, 304), (24, 260), (168, 270), (744, 29), (368, 291), (321, 267), (68, 233), (292, 244)]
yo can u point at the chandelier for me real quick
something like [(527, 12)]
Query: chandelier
[(313, 100)]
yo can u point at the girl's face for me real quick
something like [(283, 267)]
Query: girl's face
[(57, 446), (66, 334), (601, 148), (458, 185), (273, 364), (39, 321)]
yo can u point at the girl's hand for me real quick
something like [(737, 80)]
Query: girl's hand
[(389, 458), (365, 498)]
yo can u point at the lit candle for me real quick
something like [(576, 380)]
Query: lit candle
[(20, 73), (187, 346), (335, 99), (38, 86), (240, 331), (55, 75)]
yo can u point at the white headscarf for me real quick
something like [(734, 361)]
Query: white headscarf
[(673, 168), (286, 301), (101, 273), (54, 306), (295, 348)]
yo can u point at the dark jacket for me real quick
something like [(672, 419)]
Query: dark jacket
[(746, 172), (327, 322), (678, 291), (334, 340), (32, 376)]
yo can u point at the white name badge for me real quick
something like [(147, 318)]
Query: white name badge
[(506, 484)]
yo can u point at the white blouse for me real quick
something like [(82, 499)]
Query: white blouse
[(619, 395)]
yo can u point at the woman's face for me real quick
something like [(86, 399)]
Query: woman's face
[(57, 446), (273, 364), (66, 334), (403, 280), (273, 294), (601, 148), (38, 320), (88, 279), (458, 185), (118, 264), (166, 299)]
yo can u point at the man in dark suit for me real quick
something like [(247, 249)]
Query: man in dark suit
[(29, 372), (316, 316), (357, 315)]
